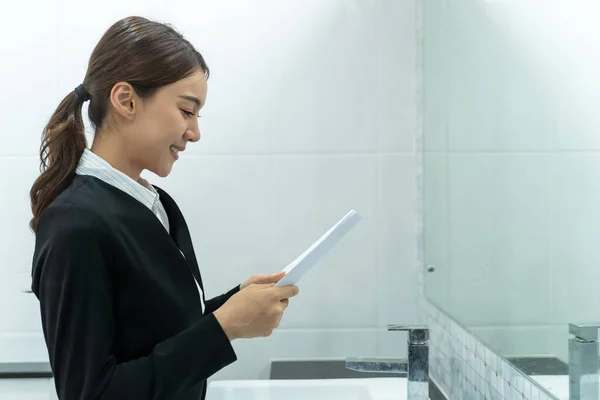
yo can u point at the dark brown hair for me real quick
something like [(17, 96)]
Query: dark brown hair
[(144, 53)]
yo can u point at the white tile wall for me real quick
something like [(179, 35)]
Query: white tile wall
[(396, 54), (33, 97), (20, 334), (396, 241)]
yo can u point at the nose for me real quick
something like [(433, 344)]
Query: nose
[(192, 134)]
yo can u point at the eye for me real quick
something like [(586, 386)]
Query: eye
[(189, 114)]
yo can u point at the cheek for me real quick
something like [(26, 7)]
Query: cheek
[(176, 123), (172, 127)]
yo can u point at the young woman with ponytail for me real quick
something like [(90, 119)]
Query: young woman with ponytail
[(121, 296)]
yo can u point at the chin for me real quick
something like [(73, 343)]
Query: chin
[(162, 171)]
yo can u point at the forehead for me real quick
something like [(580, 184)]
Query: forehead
[(193, 85)]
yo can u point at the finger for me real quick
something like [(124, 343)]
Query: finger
[(263, 286), (277, 277), (271, 278), (280, 312), (286, 292)]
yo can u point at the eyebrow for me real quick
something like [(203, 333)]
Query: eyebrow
[(192, 99)]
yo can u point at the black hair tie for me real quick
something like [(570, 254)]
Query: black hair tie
[(82, 94)]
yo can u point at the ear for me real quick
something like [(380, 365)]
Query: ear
[(124, 100)]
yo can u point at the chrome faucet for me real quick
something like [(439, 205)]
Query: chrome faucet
[(583, 362), (416, 366)]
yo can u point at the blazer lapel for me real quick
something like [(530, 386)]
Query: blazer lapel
[(180, 233)]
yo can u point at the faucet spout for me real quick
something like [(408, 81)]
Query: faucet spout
[(377, 365), (416, 366)]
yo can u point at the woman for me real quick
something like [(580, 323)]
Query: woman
[(121, 296)]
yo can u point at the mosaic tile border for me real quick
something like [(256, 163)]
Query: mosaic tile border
[(465, 368), (461, 365)]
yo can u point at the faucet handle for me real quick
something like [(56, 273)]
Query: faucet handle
[(416, 333), (587, 332)]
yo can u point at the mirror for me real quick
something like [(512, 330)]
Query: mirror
[(511, 168)]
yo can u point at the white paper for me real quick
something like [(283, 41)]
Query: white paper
[(311, 256)]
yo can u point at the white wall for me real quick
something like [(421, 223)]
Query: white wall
[(511, 166), (311, 111)]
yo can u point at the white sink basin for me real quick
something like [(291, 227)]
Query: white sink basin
[(311, 389), (557, 385)]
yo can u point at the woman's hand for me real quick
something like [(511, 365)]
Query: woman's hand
[(264, 279), (255, 311)]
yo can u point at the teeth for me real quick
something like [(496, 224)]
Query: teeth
[(174, 150)]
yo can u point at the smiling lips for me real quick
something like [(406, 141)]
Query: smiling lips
[(175, 151)]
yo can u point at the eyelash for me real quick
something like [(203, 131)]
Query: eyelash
[(190, 114)]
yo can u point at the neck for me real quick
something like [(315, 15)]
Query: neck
[(108, 147)]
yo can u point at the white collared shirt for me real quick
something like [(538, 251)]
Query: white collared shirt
[(93, 165)]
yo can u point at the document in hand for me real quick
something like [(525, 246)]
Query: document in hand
[(304, 262)]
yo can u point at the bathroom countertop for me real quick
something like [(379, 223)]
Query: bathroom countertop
[(333, 369), (25, 370)]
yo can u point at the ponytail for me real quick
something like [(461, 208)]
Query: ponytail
[(63, 143)]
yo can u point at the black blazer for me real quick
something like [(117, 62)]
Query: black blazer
[(120, 310)]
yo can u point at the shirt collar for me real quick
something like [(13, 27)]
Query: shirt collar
[(94, 165)]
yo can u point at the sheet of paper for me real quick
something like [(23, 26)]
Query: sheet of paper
[(311, 256)]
